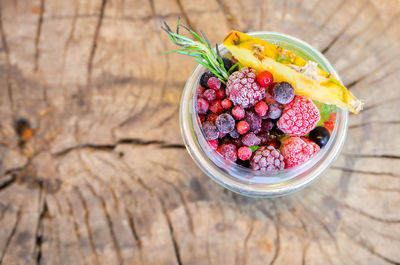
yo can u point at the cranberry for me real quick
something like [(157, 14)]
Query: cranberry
[(202, 118), (200, 90), (242, 127), (213, 144), (238, 112), (261, 108), (265, 78), (244, 153), (220, 94), (212, 117), (226, 104), (202, 106), (216, 107), (214, 83), (210, 94)]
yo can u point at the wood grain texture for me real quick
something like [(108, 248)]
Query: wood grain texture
[(105, 178)]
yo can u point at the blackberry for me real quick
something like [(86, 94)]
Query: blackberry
[(210, 131), (225, 123), (254, 120), (204, 79), (283, 92), (268, 159)]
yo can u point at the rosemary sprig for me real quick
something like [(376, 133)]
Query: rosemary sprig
[(200, 48)]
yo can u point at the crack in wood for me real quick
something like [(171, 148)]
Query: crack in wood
[(370, 123), (373, 156), (39, 229), (7, 182), (304, 254), (87, 224), (227, 13), (171, 231), (72, 214), (10, 237), (94, 43), (374, 173), (38, 33), (246, 240), (109, 222), (110, 147), (277, 224), (369, 216)]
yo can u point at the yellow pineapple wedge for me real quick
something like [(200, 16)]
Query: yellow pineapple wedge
[(306, 77)]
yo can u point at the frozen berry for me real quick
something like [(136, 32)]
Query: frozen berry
[(212, 117), (221, 135), (283, 92), (214, 83), (254, 120), (274, 110), (250, 139), (202, 118), (210, 131), (216, 107), (269, 99), (204, 79), (330, 125), (271, 89), (261, 108), (200, 90), (274, 143), (228, 64), (226, 104), (237, 142), (202, 106), (213, 144), (234, 134), (229, 152), (225, 123), (210, 94), (242, 127), (299, 117), (221, 93), (263, 138), (268, 159), (242, 88), (320, 135), (265, 78), (267, 125), (296, 151), (244, 153), (238, 112)]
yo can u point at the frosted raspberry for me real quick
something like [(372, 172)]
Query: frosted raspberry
[(243, 89), (299, 117), (267, 159), (296, 150)]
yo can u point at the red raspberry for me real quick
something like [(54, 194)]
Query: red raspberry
[(213, 144), (210, 94), (242, 88), (238, 112), (202, 106), (226, 104), (261, 108), (221, 94), (216, 107), (265, 78), (212, 117), (229, 152), (296, 150), (299, 117), (244, 153), (214, 83), (242, 127)]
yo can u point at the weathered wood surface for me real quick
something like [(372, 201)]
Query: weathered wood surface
[(105, 178)]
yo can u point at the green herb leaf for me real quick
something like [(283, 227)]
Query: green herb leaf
[(254, 148)]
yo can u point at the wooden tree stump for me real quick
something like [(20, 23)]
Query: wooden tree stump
[(97, 174)]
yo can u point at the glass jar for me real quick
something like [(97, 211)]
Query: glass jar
[(244, 180)]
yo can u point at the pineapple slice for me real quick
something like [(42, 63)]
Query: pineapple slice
[(306, 77)]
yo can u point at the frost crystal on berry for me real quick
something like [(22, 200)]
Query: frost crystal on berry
[(242, 88)]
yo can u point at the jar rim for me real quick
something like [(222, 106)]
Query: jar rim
[(246, 181)]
